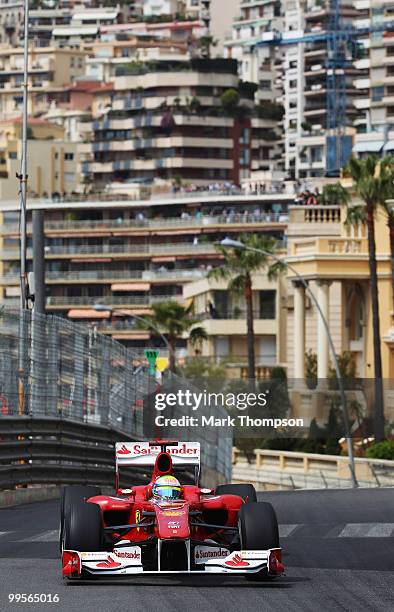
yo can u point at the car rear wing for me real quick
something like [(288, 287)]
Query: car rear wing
[(144, 454)]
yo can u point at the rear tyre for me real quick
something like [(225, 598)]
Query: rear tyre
[(258, 530), (71, 495), (83, 529), (246, 491)]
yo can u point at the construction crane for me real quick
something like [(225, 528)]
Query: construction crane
[(342, 50)]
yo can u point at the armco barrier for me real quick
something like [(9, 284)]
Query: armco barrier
[(37, 451), (271, 469)]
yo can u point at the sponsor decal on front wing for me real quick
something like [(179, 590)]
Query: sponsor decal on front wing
[(202, 554), (239, 561), (119, 560)]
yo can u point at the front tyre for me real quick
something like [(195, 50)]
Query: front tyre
[(258, 530), (70, 495), (83, 528)]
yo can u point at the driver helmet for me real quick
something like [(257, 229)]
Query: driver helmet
[(167, 488)]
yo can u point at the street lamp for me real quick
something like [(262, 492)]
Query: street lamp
[(124, 313), (237, 244)]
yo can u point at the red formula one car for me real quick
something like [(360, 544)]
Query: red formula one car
[(165, 526)]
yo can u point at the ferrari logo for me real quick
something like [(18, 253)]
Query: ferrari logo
[(138, 517)]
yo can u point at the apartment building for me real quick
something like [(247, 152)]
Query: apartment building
[(50, 71), (223, 315), (168, 121), (52, 160), (310, 88), (107, 55), (375, 106), (11, 21), (127, 255), (256, 63)]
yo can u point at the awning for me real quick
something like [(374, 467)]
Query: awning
[(75, 31), (372, 146), (389, 146), (125, 312), (93, 260), (87, 314), (163, 259), (131, 336), (130, 287)]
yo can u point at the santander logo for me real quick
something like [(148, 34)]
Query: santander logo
[(109, 563), (211, 554), (138, 449), (237, 561), (124, 451), (128, 555)]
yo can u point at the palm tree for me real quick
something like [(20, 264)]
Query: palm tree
[(372, 183), (174, 319), (357, 215), (238, 268)]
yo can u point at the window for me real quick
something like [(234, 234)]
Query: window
[(267, 350), (268, 304), (316, 154), (220, 305), (377, 93), (12, 155), (69, 156)]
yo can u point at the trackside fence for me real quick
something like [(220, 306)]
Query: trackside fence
[(67, 393)]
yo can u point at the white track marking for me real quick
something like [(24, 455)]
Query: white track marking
[(286, 530), (44, 536), (367, 530)]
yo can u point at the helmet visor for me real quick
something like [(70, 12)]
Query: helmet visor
[(167, 491)]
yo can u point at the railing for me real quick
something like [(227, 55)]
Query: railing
[(323, 214), (213, 195), (80, 300), (108, 249), (235, 218), (110, 275), (234, 313), (315, 214), (292, 470)]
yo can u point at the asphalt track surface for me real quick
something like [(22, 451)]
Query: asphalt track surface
[(338, 550)]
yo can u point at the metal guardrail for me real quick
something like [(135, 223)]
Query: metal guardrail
[(293, 470), (57, 451), (68, 382)]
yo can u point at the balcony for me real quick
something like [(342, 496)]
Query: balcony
[(100, 276), (232, 322), (79, 301), (336, 258), (122, 251), (170, 224)]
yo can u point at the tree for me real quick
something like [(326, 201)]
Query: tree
[(334, 194), (230, 100), (173, 319), (357, 215), (205, 43), (238, 268), (372, 183)]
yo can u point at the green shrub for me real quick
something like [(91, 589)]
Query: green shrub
[(381, 450)]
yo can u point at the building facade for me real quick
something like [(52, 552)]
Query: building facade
[(128, 255), (51, 70), (169, 121)]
